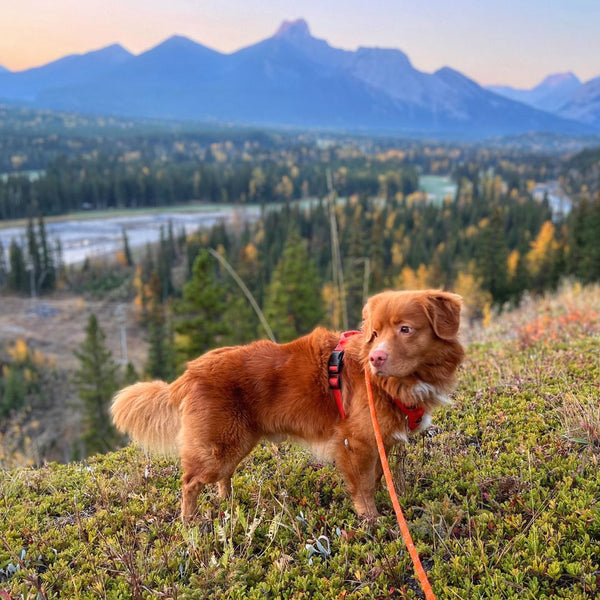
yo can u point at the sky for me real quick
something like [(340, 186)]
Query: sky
[(509, 42)]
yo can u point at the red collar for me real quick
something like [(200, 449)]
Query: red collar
[(413, 414)]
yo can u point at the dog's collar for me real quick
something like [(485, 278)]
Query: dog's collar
[(413, 414)]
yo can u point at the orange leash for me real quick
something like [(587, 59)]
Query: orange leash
[(392, 491)]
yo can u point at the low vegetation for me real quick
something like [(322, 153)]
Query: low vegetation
[(501, 497)]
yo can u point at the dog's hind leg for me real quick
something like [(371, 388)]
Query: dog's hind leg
[(224, 485), (214, 462), (192, 484)]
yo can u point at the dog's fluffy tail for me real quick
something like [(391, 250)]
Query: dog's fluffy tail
[(145, 412)]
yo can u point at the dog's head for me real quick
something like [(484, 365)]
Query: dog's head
[(412, 333)]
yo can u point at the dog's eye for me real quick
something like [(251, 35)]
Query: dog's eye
[(406, 329), (374, 334)]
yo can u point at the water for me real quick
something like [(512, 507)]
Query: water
[(94, 237), (437, 188)]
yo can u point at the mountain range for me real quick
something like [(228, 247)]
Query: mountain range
[(293, 79), (562, 94)]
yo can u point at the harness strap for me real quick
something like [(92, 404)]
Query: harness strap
[(336, 364), (413, 414)]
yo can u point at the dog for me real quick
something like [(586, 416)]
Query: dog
[(230, 398)]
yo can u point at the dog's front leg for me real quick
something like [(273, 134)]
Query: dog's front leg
[(358, 461)]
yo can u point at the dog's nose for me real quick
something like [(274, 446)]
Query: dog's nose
[(378, 357)]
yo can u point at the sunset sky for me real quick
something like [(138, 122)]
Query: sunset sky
[(514, 42)]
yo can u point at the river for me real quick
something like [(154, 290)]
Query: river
[(92, 236), (89, 235)]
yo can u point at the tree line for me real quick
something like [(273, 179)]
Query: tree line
[(108, 182)]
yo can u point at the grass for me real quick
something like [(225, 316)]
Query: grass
[(502, 498)]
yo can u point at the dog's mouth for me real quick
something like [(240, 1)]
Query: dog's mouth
[(384, 371), (377, 371)]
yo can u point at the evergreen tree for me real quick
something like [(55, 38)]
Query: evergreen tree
[(59, 262), (47, 278), (202, 307), (17, 276), (583, 258), (161, 351), (242, 320), (130, 376), (96, 381), (166, 257), (356, 269), (33, 255), (592, 250), (492, 259), (3, 267), (126, 249), (294, 304)]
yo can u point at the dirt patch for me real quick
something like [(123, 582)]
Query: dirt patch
[(55, 325)]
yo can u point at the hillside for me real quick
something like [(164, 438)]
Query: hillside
[(501, 497)]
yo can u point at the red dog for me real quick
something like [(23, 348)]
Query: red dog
[(230, 398)]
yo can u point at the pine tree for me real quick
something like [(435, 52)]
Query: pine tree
[(161, 352), (294, 304), (242, 320), (130, 376), (165, 259), (202, 307), (17, 276), (59, 262), (47, 277), (583, 259), (96, 381), (126, 249), (3, 267), (33, 254), (356, 271), (492, 259)]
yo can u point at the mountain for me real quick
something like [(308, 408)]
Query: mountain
[(289, 79), (549, 95), (70, 70), (3, 70), (584, 105)]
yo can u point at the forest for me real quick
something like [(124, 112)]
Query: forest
[(341, 218)]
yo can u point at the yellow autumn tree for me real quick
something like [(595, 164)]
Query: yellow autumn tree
[(541, 258), (477, 302), (409, 279)]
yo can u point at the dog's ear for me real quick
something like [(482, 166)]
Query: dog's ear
[(443, 311), (368, 327)]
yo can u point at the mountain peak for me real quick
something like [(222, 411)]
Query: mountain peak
[(293, 29), (560, 79), (178, 41), (178, 45)]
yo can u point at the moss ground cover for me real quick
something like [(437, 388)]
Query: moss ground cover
[(502, 498)]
